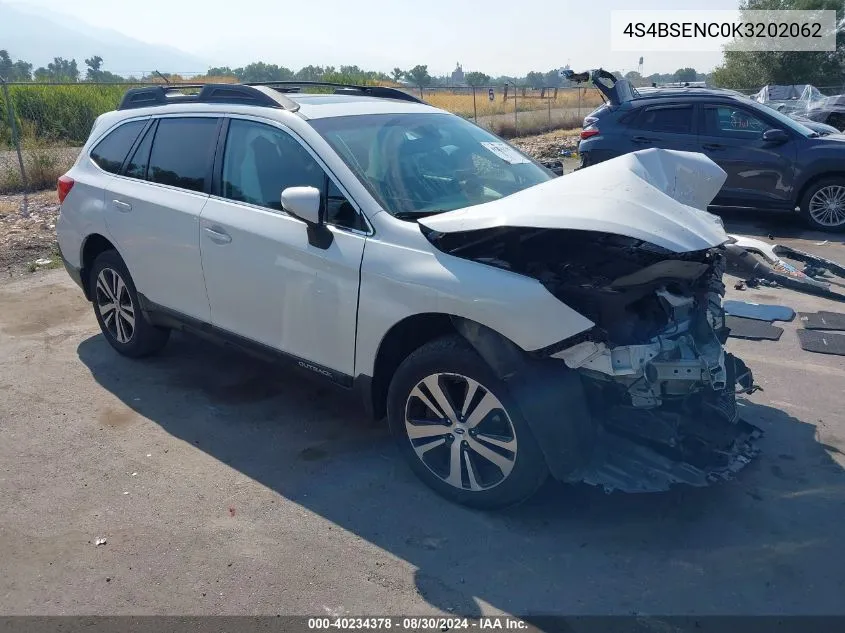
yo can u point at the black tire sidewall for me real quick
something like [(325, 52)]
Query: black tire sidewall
[(808, 195), (453, 354), (146, 339)]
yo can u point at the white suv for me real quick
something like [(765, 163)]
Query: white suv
[(510, 324)]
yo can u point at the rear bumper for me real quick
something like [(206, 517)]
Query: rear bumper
[(74, 272)]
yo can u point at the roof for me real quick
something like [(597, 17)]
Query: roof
[(320, 106), (280, 95)]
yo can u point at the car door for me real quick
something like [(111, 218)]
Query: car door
[(667, 126), (266, 281), (153, 210), (759, 173)]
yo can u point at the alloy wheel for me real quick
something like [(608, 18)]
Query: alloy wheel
[(461, 431), (827, 206), (114, 305)]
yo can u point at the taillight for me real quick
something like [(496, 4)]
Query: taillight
[(590, 131), (63, 187)]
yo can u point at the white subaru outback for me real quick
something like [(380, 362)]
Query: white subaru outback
[(509, 323)]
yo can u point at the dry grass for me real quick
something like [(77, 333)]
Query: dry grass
[(460, 102), (43, 167)]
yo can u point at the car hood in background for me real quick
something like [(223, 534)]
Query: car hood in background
[(656, 195)]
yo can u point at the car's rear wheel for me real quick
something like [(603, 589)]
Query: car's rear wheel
[(460, 429), (823, 205), (117, 309)]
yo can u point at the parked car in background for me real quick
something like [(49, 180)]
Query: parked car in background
[(772, 161)]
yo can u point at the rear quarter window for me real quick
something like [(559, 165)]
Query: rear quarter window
[(110, 152)]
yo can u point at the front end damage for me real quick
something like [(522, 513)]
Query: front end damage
[(657, 381), (654, 370)]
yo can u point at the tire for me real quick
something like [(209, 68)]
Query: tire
[(125, 328), (451, 364), (823, 204)]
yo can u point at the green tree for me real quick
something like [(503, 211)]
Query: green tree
[(259, 71), (310, 73), (535, 79), (221, 71), (418, 75), (397, 74), (59, 69), (476, 78), (635, 78), (746, 69), (685, 74), (14, 71)]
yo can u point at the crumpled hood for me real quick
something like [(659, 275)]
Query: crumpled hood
[(656, 195)]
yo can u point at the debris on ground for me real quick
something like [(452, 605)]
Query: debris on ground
[(43, 261), (822, 342), (759, 311), (100, 541), (755, 259), (551, 146), (27, 230), (740, 285), (822, 320)]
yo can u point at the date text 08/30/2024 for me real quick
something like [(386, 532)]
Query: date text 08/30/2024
[(418, 623)]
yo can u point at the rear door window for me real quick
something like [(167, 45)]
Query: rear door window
[(183, 152), (672, 119), (110, 153)]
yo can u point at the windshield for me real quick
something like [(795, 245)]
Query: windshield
[(420, 164)]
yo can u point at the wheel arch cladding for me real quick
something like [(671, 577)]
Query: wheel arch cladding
[(398, 343), (93, 245), (813, 180), (550, 396)]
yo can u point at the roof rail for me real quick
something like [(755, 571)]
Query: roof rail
[(270, 94), (382, 92), (208, 93)]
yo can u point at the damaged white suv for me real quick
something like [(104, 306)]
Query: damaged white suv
[(509, 323)]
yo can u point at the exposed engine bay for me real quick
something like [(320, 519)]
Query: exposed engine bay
[(654, 368)]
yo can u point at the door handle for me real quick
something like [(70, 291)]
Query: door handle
[(217, 235), (713, 146), (123, 207), (643, 139)]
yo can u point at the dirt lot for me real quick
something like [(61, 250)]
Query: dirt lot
[(222, 485)]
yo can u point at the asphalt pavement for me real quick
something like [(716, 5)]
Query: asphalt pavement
[(222, 485)]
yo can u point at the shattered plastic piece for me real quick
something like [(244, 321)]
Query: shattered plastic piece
[(43, 261), (740, 285), (134, 474), (100, 541)]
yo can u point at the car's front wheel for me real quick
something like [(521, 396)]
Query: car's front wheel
[(823, 205), (117, 309), (459, 428)]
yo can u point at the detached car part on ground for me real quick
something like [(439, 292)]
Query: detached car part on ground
[(646, 397)]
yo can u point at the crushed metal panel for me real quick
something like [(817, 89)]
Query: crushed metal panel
[(654, 195)]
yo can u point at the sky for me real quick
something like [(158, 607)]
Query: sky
[(498, 37)]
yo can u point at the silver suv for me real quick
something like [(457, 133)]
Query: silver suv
[(509, 323)]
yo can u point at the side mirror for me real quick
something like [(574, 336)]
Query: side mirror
[(303, 203), (775, 136)]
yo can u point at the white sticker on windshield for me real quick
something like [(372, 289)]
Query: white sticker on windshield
[(505, 152)]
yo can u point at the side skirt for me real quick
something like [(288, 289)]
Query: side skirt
[(165, 317)]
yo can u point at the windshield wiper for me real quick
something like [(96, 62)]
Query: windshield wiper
[(418, 213)]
